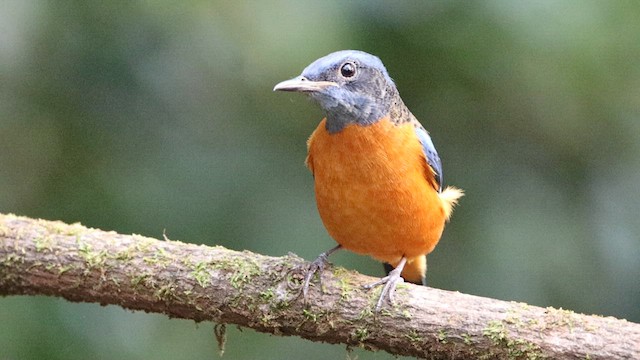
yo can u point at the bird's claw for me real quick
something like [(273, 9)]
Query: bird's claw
[(388, 291), (317, 266)]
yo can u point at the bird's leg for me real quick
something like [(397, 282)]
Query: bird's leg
[(317, 266), (390, 282)]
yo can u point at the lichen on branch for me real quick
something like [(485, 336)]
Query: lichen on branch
[(203, 283)]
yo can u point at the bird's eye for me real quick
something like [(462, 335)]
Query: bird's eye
[(348, 70)]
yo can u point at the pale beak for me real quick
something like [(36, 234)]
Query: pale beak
[(302, 84)]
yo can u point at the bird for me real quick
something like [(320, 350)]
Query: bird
[(377, 175)]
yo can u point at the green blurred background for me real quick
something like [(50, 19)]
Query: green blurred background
[(141, 116)]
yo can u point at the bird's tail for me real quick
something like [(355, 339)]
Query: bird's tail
[(450, 197)]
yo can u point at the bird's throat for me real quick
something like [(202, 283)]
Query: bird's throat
[(363, 113)]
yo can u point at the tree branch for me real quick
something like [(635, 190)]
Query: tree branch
[(39, 257)]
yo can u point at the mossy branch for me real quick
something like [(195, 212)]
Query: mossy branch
[(39, 257)]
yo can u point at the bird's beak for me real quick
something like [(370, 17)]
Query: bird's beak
[(302, 84)]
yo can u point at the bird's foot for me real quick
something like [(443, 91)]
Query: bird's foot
[(390, 282), (317, 266)]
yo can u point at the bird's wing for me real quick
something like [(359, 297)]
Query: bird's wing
[(430, 153)]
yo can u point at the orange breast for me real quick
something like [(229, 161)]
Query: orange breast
[(375, 191)]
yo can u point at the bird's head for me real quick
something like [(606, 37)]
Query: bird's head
[(351, 87)]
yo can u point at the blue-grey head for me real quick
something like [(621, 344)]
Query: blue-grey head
[(351, 87)]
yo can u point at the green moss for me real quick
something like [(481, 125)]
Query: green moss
[(91, 258), (366, 313), (339, 271), (139, 280), (162, 253), (142, 244), (123, 255), (159, 257), (533, 322), (242, 270), (267, 295), (42, 244), (311, 316), (406, 314), (495, 331), (266, 319), (281, 305), (466, 338), (402, 286), (524, 306), (414, 337), (374, 296), (514, 318), (515, 348), (346, 289), (64, 269), (12, 259), (164, 259), (166, 293), (360, 334), (150, 260), (442, 336), (244, 274), (64, 229), (200, 274), (561, 317), (294, 280)]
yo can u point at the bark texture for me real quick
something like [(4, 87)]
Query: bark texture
[(39, 257)]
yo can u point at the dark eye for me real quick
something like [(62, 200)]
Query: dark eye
[(348, 69)]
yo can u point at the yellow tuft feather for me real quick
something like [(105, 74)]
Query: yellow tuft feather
[(449, 198)]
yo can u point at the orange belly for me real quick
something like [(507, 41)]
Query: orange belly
[(374, 190)]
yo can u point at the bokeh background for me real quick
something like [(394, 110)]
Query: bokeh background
[(146, 116)]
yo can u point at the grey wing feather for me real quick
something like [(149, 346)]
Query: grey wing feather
[(431, 154)]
